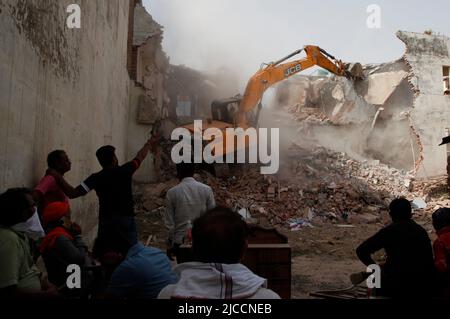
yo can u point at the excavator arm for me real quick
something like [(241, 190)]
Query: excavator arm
[(237, 111), (278, 71)]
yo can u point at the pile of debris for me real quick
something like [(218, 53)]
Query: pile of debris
[(316, 187), (370, 116)]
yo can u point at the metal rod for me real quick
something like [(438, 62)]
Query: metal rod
[(288, 56), (327, 54)]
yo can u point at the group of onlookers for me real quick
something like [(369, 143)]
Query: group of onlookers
[(410, 268), (38, 223)]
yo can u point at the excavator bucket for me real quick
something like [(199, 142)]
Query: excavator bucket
[(354, 71)]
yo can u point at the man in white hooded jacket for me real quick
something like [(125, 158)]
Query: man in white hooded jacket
[(219, 241)]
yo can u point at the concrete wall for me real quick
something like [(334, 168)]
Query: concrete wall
[(139, 134), (427, 54), (61, 88), (148, 98)]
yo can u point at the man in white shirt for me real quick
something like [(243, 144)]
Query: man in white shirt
[(184, 203)]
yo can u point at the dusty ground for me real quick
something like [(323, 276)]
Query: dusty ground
[(323, 257), (315, 185)]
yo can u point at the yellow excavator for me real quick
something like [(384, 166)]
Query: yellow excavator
[(243, 111)]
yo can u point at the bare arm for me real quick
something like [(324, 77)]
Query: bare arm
[(370, 246), (68, 189), (143, 152)]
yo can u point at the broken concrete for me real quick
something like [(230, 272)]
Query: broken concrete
[(383, 85), (148, 97), (427, 55), (398, 114)]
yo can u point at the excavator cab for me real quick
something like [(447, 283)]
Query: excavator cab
[(243, 111), (224, 110)]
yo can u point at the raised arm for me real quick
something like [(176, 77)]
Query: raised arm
[(149, 145)]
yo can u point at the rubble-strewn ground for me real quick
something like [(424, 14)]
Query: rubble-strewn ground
[(325, 202)]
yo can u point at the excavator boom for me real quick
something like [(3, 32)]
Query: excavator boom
[(278, 71), (237, 111)]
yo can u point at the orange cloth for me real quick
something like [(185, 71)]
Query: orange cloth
[(54, 212), (49, 240)]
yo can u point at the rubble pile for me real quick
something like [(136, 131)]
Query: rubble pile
[(316, 187), (371, 116)]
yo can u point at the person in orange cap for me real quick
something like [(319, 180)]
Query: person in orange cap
[(63, 244)]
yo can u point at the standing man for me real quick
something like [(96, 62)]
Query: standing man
[(113, 185), (48, 190), (184, 203), (409, 268)]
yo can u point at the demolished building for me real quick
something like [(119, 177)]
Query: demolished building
[(148, 70), (397, 115), (191, 92)]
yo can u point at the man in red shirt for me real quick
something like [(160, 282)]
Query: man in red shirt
[(441, 247), (48, 190)]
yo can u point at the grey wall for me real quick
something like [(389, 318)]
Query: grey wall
[(61, 88), (427, 54)]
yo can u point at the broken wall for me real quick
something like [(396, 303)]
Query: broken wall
[(148, 98), (427, 54), (364, 119), (61, 88), (197, 89), (397, 114)]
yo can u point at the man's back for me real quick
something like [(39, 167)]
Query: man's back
[(143, 274), (217, 281), (114, 190), (409, 262), (187, 201), (407, 246)]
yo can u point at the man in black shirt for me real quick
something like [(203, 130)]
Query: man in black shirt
[(113, 185), (408, 271)]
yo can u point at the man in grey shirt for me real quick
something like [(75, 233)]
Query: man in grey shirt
[(184, 203)]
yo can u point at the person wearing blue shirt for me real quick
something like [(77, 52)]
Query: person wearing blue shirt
[(133, 271)]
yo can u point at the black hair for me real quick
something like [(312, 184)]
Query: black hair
[(441, 218), (13, 203), (185, 170), (219, 236), (105, 155), (400, 209), (54, 157)]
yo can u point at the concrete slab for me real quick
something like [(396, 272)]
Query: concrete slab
[(382, 85)]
